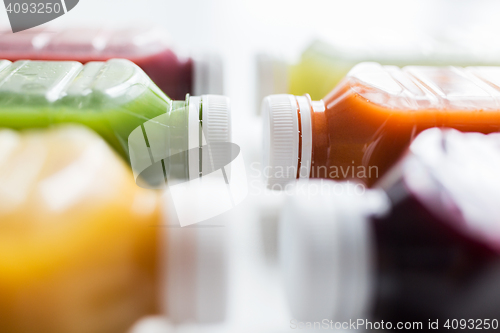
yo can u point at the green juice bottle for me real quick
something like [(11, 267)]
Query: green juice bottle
[(113, 98), (322, 65)]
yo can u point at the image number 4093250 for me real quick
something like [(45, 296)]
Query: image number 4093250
[(26, 14)]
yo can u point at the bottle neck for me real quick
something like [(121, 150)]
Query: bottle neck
[(313, 138), (166, 147), (304, 114)]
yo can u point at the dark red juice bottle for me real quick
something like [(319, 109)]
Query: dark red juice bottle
[(147, 47), (423, 246)]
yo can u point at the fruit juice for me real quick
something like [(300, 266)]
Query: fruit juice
[(421, 246), (113, 98), (362, 127), (440, 242), (78, 251), (323, 64), (147, 48)]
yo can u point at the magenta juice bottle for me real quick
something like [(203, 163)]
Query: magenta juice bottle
[(422, 248), (148, 48)]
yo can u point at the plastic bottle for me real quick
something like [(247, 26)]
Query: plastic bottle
[(325, 62), (113, 98), (77, 244), (422, 247), (84, 249), (147, 47), (361, 127)]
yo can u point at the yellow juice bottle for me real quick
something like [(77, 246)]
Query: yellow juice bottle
[(323, 64), (77, 247), (84, 249)]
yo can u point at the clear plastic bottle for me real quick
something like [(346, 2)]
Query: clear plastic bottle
[(113, 98), (84, 249), (364, 125), (325, 62), (79, 253), (423, 246), (147, 47)]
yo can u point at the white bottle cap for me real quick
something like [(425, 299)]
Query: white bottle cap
[(211, 127), (285, 138), (272, 77), (326, 251), (216, 118), (207, 74)]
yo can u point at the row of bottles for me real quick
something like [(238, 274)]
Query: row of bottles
[(88, 245)]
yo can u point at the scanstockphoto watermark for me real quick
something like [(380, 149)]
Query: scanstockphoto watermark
[(381, 325), (26, 14), (358, 324)]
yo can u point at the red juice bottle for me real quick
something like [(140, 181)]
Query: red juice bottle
[(147, 47), (421, 247)]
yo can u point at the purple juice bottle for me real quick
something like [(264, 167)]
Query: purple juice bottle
[(421, 249)]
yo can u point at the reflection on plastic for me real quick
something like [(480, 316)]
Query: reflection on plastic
[(205, 179)]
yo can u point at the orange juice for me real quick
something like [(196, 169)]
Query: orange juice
[(361, 128)]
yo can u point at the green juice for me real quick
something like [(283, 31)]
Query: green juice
[(113, 98)]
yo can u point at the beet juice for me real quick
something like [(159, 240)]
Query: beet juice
[(423, 246), (148, 48), (362, 127)]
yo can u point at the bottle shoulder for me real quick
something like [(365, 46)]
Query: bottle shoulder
[(54, 83), (83, 44), (425, 87)]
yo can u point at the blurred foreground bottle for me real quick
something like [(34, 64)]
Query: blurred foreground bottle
[(78, 250), (147, 47), (423, 246), (84, 249), (113, 98), (361, 128)]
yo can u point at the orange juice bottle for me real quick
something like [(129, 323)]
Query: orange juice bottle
[(362, 126)]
